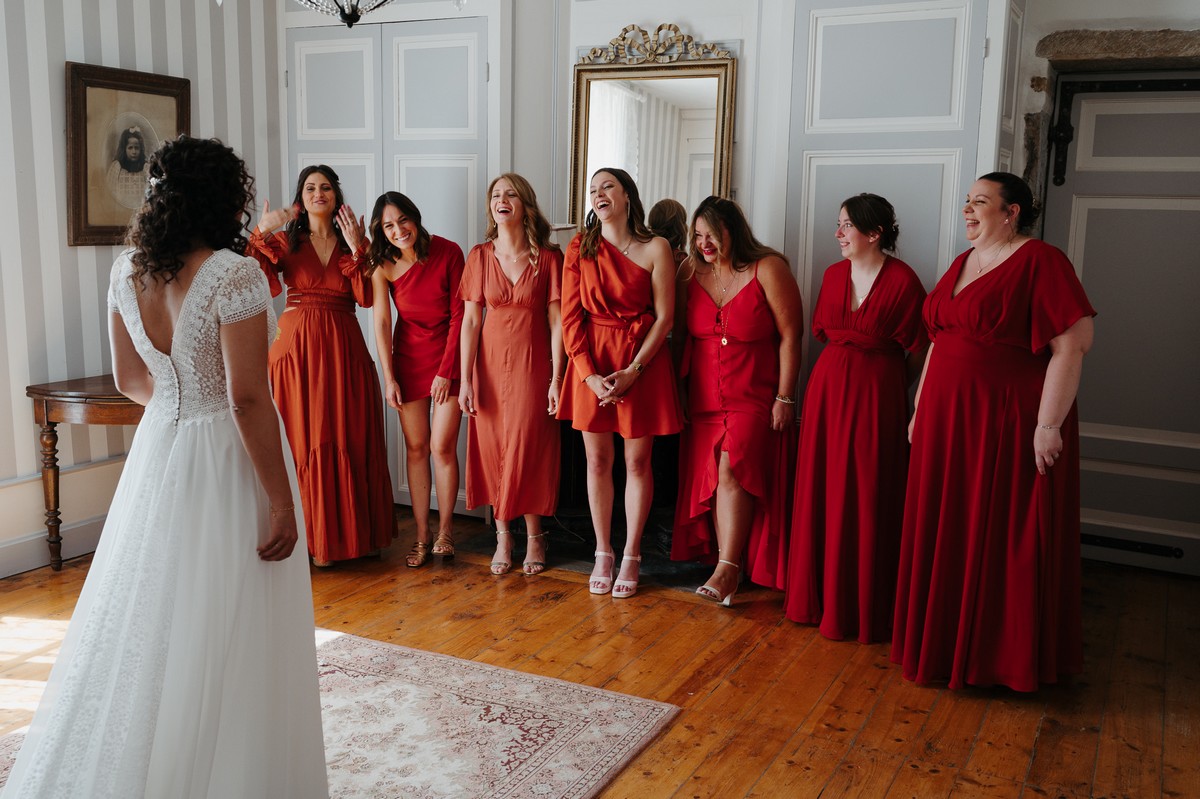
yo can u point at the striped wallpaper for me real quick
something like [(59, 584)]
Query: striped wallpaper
[(52, 308)]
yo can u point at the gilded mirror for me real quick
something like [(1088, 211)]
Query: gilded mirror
[(660, 106)]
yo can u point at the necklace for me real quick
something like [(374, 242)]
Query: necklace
[(323, 236), (984, 267), (625, 250)]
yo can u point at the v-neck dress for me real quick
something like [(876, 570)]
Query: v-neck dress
[(327, 390), (731, 368), (512, 443), (989, 583), (853, 455)]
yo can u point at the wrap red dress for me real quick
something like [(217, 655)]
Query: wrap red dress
[(327, 391), (607, 309), (429, 315), (731, 364), (989, 584), (512, 443), (853, 456)]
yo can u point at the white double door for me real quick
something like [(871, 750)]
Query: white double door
[(399, 106)]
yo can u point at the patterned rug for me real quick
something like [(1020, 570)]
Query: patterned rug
[(402, 722)]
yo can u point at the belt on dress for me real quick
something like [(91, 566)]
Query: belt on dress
[(330, 301)]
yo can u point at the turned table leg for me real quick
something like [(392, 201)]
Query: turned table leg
[(50, 490)]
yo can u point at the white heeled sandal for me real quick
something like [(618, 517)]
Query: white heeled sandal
[(623, 589), (602, 585), (708, 592)]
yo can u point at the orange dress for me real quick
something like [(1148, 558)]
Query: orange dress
[(512, 443), (327, 391), (607, 309)]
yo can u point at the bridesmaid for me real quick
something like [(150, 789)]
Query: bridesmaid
[(323, 377), (618, 298), (853, 455), (419, 358), (741, 333), (511, 366), (668, 218)]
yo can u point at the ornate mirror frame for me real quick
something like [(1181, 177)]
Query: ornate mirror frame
[(633, 55)]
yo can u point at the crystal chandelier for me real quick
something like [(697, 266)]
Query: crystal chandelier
[(348, 11)]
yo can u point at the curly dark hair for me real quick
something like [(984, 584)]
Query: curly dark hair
[(297, 229), (721, 216), (383, 250), (199, 194), (590, 242), (872, 213)]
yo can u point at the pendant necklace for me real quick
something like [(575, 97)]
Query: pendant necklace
[(982, 267)]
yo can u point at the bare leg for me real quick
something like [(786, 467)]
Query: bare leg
[(599, 449), (444, 442), (502, 560), (414, 422), (639, 492), (535, 546), (733, 513)]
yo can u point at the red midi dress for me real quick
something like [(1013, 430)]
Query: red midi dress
[(327, 391), (731, 364), (853, 456), (429, 314), (989, 583), (512, 442), (607, 309)]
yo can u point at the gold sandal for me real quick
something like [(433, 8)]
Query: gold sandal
[(500, 567), (443, 545), (532, 567), (418, 556)]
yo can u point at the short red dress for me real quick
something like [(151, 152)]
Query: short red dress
[(853, 456), (607, 308), (731, 364), (327, 391), (512, 443), (429, 314), (989, 583)]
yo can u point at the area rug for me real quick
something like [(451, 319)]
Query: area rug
[(400, 722)]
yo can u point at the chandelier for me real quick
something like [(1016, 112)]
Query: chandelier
[(348, 11)]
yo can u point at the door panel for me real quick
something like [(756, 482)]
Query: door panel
[(1128, 216)]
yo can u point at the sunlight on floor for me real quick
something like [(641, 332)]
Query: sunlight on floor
[(28, 648)]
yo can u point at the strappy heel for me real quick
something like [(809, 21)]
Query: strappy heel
[(532, 567), (708, 592), (602, 585), (443, 546), (623, 589), (418, 556), (500, 567)]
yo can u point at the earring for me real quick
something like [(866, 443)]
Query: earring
[(1006, 220)]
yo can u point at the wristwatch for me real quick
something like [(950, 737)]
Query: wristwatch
[(637, 366)]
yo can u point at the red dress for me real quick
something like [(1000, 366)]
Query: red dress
[(731, 388), (853, 455), (989, 583), (429, 315), (327, 390), (607, 308), (512, 443)]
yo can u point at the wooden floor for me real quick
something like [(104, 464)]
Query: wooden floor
[(770, 709)]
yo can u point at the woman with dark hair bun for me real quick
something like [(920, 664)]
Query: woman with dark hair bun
[(849, 497), (189, 667), (739, 339), (989, 581), (420, 357), (618, 304), (323, 376)]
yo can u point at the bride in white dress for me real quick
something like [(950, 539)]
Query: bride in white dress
[(189, 668)]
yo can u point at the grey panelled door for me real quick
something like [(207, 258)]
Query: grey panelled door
[(1128, 216)]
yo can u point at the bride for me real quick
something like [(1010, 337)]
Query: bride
[(189, 667)]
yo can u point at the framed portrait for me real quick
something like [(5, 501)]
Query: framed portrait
[(115, 119)]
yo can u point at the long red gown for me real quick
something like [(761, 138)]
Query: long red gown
[(989, 582), (512, 443), (429, 315), (731, 388), (607, 309), (327, 391), (853, 456)]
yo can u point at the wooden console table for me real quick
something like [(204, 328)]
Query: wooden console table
[(87, 400)]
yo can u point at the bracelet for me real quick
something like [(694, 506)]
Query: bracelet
[(1049, 427), (786, 400), (555, 379), (284, 509)]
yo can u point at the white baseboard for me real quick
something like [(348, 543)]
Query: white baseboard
[(31, 551)]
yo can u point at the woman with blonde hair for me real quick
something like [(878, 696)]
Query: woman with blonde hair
[(511, 365)]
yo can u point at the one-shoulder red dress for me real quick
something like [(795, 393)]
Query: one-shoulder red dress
[(989, 583), (607, 309), (429, 314)]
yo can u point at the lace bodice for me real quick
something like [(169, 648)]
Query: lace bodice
[(190, 382)]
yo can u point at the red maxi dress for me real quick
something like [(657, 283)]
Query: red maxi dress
[(989, 583), (327, 391), (512, 443), (429, 314), (607, 309), (731, 364), (853, 456)]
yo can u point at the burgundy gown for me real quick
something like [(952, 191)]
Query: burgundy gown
[(853, 455), (989, 583), (327, 390), (731, 364), (429, 314)]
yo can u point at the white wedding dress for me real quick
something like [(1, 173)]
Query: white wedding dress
[(189, 667)]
